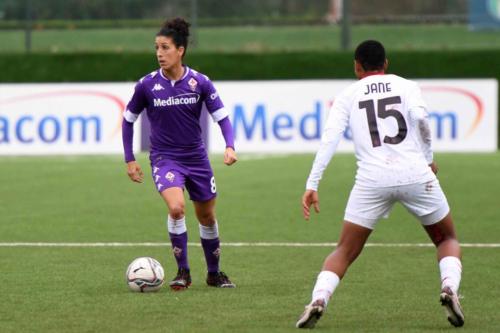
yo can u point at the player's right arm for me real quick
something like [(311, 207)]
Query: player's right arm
[(137, 103), (420, 118), (336, 124)]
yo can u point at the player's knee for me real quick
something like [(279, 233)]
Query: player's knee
[(207, 219), (439, 234), (176, 211), (444, 239)]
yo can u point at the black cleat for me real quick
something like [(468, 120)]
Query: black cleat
[(219, 280), (182, 280), (449, 300), (311, 314)]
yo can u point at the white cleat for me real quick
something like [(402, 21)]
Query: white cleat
[(311, 314), (449, 300)]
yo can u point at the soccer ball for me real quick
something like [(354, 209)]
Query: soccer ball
[(145, 274)]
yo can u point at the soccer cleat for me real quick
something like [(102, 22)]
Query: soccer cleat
[(449, 300), (219, 280), (311, 314), (182, 280)]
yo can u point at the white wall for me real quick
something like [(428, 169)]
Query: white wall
[(63, 118), (267, 116)]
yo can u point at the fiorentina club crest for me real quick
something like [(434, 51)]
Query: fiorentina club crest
[(217, 252), (170, 176), (193, 83)]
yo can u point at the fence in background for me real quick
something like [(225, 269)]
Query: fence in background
[(32, 15)]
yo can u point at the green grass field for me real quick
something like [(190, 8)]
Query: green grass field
[(90, 199), (257, 39)]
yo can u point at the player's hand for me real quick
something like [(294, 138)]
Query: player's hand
[(434, 167), (230, 156), (134, 172), (309, 198)]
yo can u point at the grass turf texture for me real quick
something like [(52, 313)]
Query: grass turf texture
[(89, 199), (256, 39)]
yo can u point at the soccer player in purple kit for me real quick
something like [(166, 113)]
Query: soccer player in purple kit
[(173, 97)]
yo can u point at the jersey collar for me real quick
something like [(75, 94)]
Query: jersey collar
[(372, 73), (172, 82)]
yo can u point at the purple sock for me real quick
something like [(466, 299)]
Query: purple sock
[(212, 252), (179, 248)]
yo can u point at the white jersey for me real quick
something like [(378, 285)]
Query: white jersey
[(384, 114)]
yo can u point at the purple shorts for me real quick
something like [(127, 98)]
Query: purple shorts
[(197, 176)]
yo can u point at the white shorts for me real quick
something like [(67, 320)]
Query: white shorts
[(367, 205)]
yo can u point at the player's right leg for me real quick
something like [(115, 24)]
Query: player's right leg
[(351, 243), (428, 202), (177, 231), (169, 180), (443, 236)]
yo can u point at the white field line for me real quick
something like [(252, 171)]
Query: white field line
[(243, 244)]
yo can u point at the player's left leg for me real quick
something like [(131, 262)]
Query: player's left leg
[(209, 235), (202, 191)]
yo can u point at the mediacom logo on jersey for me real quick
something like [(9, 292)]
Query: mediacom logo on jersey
[(184, 99)]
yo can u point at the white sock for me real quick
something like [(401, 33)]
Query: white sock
[(325, 286), (451, 272), (176, 227), (211, 232)]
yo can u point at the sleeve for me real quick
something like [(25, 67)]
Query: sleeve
[(227, 132), (420, 121), (136, 104), (213, 102), (128, 138), (424, 133), (336, 124)]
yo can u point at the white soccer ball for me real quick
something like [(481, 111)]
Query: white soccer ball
[(145, 274)]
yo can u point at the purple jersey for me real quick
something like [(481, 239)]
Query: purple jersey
[(173, 109)]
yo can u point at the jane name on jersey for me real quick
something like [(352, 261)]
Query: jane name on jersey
[(378, 87)]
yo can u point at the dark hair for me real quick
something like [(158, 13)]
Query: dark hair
[(178, 30), (371, 55)]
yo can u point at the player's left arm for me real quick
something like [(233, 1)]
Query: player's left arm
[(227, 132), (220, 115)]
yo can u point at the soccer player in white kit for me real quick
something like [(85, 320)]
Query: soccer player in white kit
[(388, 120)]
